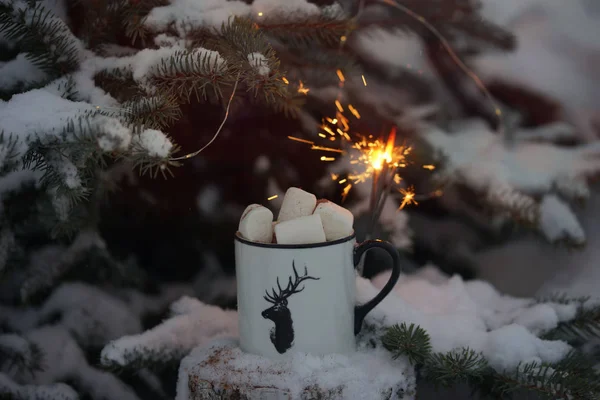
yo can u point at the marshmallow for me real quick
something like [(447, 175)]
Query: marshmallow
[(274, 240), (337, 221), (302, 230), (296, 203), (256, 224)]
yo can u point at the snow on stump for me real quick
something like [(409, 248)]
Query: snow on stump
[(222, 371)]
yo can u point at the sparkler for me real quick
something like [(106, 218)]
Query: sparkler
[(378, 160)]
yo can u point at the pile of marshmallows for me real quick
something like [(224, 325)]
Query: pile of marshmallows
[(301, 220)]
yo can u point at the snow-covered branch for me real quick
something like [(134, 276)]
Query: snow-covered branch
[(193, 324), (531, 180)]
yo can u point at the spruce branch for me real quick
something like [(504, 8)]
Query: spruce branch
[(562, 298), (156, 112), (302, 31), (119, 83), (410, 341), (9, 154), (454, 19), (67, 159), (20, 355), (573, 377), (133, 17), (44, 156), (548, 381), (252, 57), (10, 390), (582, 328), (148, 163), (45, 38), (190, 73), (40, 279), (157, 360), (464, 365)]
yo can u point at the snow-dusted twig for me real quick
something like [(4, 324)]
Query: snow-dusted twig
[(193, 324)]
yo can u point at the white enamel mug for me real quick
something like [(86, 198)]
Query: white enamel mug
[(301, 298)]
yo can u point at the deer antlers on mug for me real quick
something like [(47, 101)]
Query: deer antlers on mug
[(282, 335)]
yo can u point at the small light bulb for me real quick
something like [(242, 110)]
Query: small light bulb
[(260, 14)]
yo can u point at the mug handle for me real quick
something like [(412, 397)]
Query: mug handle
[(361, 311)]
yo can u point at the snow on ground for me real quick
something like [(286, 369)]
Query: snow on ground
[(455, 313), (470, 314)]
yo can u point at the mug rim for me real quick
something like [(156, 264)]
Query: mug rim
[(240, 239)]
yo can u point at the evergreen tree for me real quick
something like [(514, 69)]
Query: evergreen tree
[(93, 90)]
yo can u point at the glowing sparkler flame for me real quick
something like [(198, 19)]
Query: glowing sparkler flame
[(383, 157), (371, 158)]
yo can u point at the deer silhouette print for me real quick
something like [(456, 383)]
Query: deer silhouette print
[(282, 335)]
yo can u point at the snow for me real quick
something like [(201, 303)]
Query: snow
[(394, 50), (529, 267), (288, 7), (552, 41), (470, 314), (208, 13), (69, 173), (511, 177), (15, 344), (209, 200), (357, 376), (154, 142), (57, 26), (48, 264), (145, 63), (40, 112), (456, 314), (510, 345), (68, 362), (92, 316), (262, 164), (113, 135), (260, 63), (194, 324), (557, 221), (56, 391), (19, 70), (185, 14)]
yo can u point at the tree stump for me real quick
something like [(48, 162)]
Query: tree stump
[(221, 370)]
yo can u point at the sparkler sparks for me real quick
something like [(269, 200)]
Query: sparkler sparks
[(409, 197), (302, 89), (378, 160)]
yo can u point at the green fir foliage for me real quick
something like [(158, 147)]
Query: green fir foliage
[(409, 341), (20, 355), (584, 327), (574, 377), (44, 38)]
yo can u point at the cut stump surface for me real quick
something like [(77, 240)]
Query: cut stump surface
[(222, 371)]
